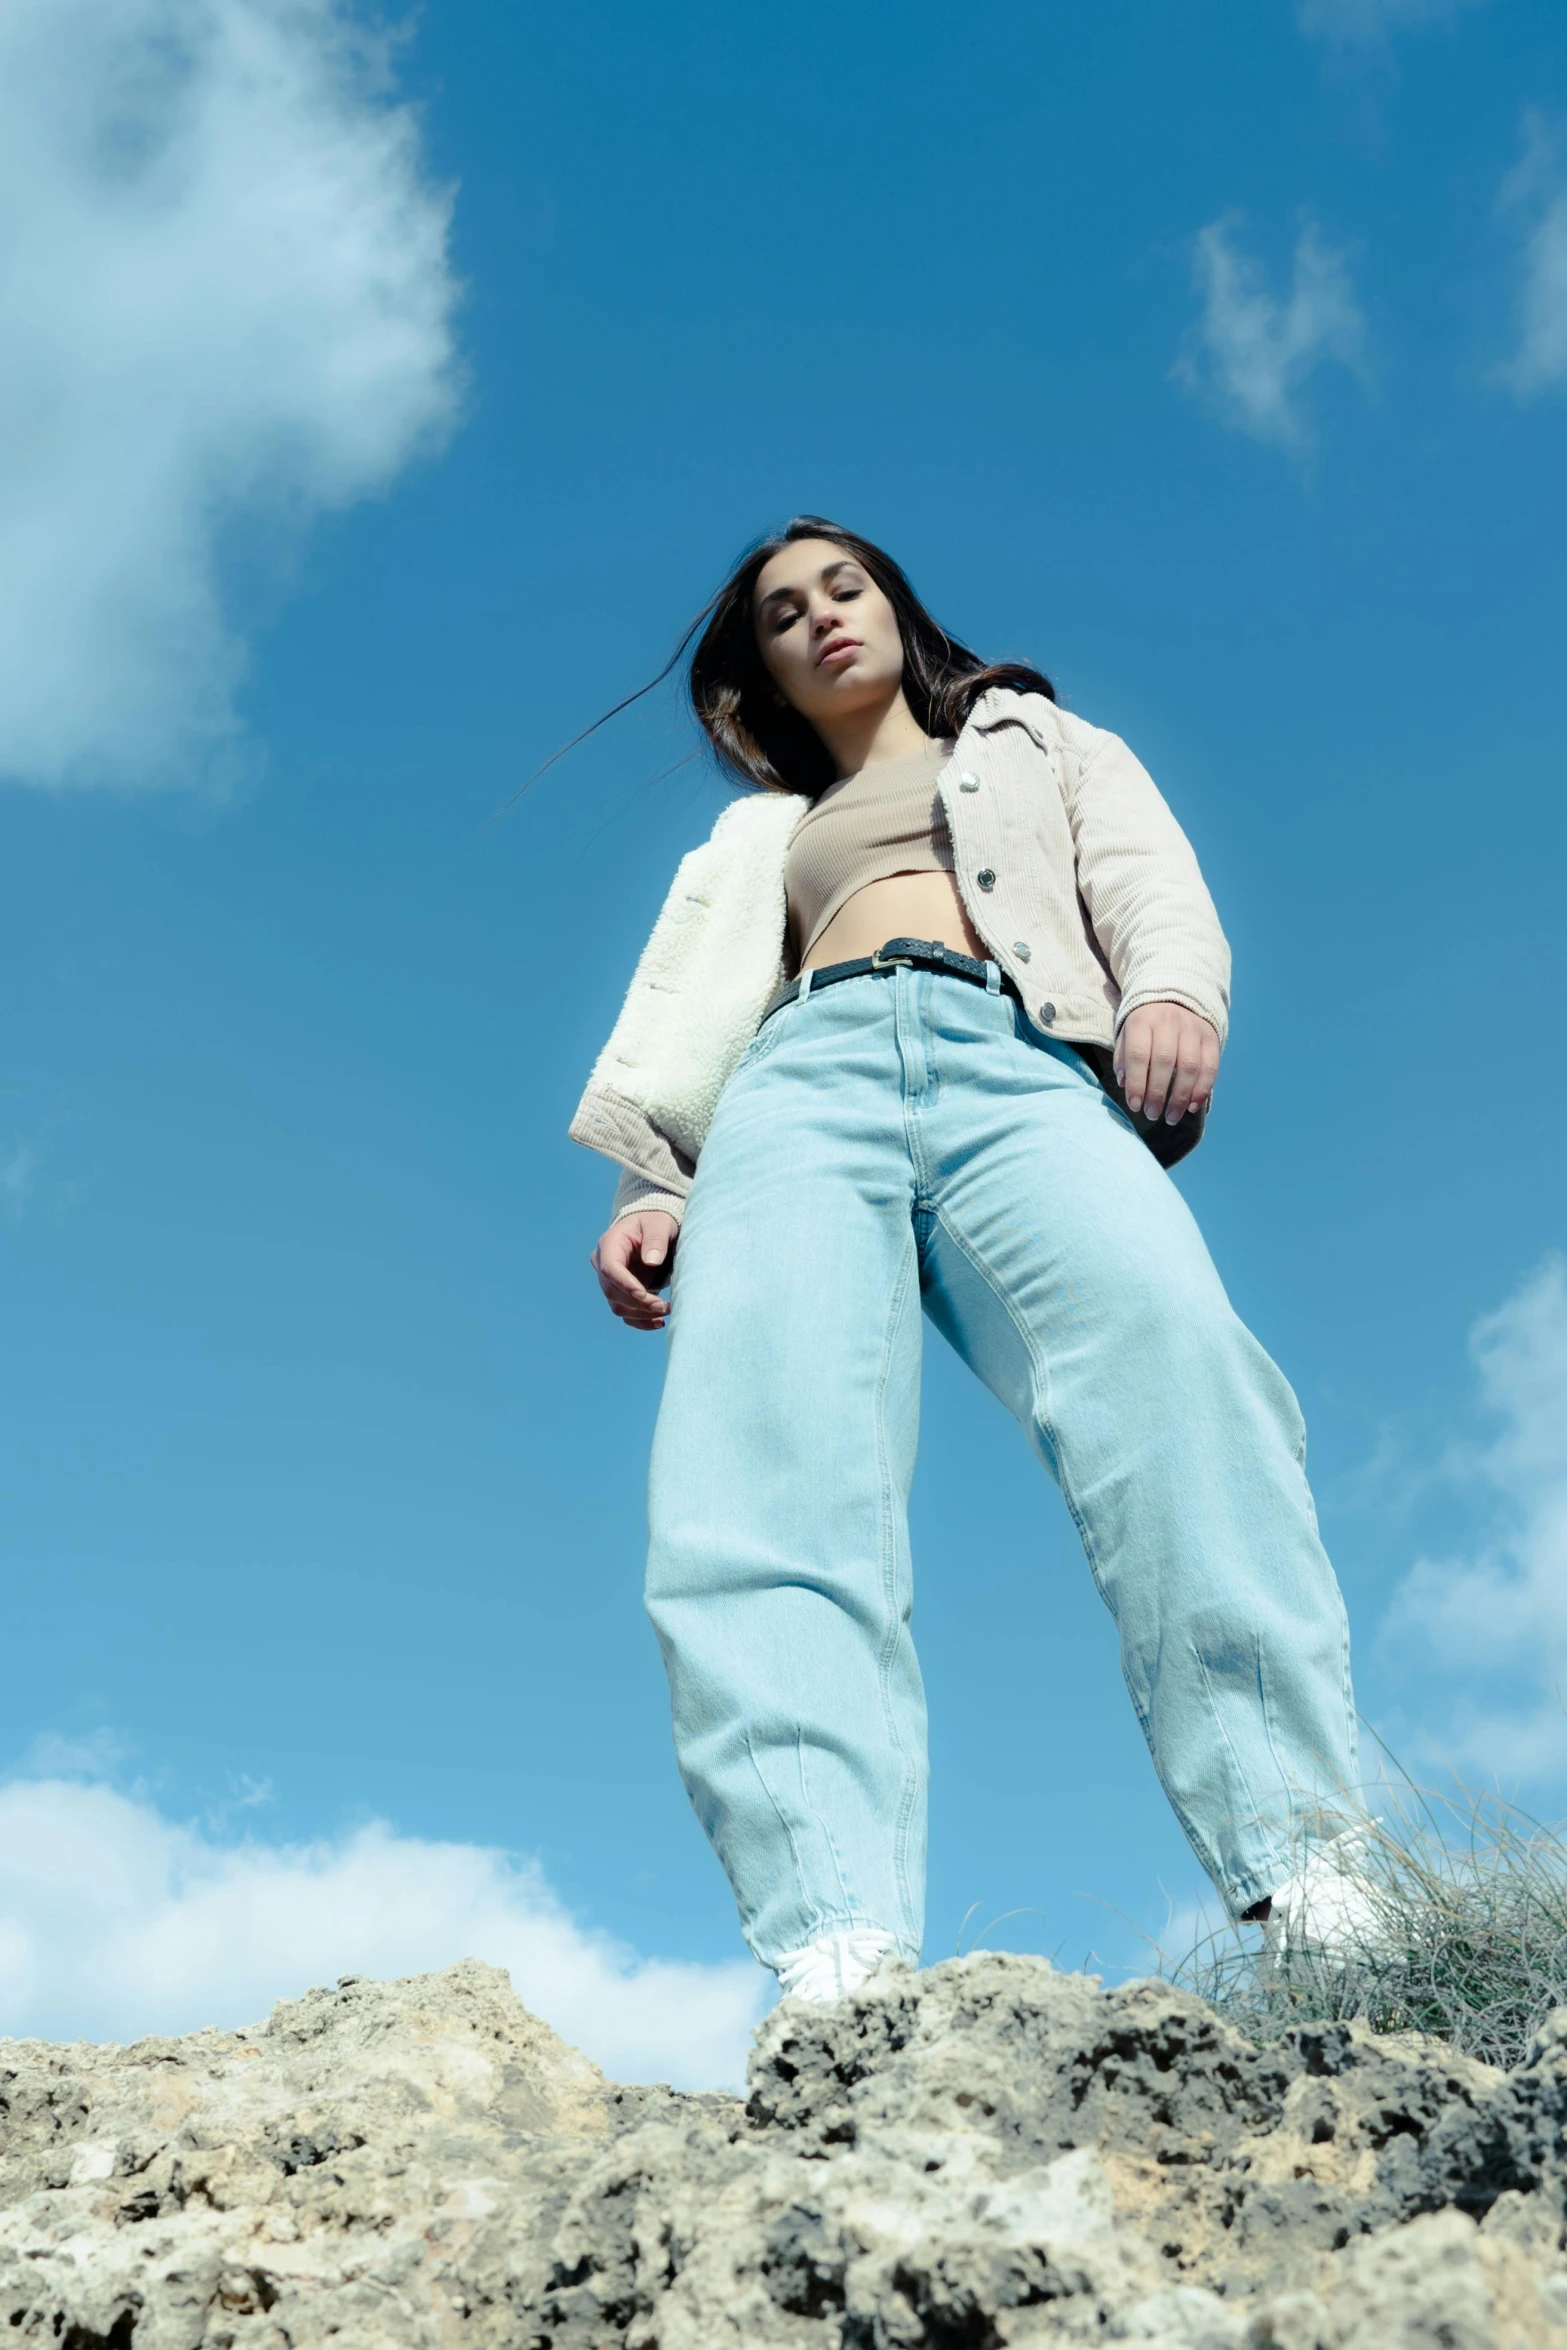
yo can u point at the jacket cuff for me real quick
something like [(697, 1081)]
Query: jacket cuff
[(637, 1194), (620, 1130), (1191, 999)]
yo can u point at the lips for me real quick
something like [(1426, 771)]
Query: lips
[(836, 645)]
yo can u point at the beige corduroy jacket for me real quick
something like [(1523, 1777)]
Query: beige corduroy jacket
[(1073, 872)]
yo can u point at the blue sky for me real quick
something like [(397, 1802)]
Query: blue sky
[(383, 417)]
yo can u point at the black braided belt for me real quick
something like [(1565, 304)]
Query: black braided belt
[(919, 954), (1168, 1143)]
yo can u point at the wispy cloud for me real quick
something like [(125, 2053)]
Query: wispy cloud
[(16, 1181), (1251, 351), (224, 277), (1366, 23), (1488, 1632), (1535, 195), (115, 1921)]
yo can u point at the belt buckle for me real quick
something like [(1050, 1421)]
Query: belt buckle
[(881, 962)]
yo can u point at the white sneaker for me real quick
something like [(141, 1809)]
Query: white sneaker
[(1331, 1908), (834, 1965)]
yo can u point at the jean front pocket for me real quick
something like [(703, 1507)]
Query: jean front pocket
[(766, 1040), (1071, 1059), (1055, 1048)]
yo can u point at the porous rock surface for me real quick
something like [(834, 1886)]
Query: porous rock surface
[(987, 2153)]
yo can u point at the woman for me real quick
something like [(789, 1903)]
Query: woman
[(902, 1038)]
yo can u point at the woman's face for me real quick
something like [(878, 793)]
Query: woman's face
[(827, 634)]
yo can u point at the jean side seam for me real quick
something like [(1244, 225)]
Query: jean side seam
[(1255, 1814), (1268, 1713), (1351, 1717), (1321, 1799), (895, 1629)]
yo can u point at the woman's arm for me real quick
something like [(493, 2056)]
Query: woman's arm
[(1140, 882), (1155, 922)]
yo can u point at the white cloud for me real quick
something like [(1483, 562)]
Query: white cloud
[(1365, 23), (116, 1921), (1193, 1928), (1536, 194), (227, 298), (1494, 1625), (1251, 352)]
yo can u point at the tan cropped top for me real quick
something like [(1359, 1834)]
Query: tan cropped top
[(887, 819)]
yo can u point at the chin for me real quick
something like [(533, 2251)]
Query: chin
[(852, 686)]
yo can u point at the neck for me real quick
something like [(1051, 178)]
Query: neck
[(859, 738)]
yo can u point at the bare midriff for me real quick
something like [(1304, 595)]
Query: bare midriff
[(899, 905)]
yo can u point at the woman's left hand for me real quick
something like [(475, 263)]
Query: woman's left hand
[(1167, 1059)]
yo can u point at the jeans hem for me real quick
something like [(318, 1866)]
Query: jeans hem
[(844, 1924), (1239, 1893)]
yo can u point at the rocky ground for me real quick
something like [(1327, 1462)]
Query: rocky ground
[(984, 2154)]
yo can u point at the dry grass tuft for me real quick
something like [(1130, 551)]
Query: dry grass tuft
[(1473, 1893)]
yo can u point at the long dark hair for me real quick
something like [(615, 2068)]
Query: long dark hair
[(737, 705), (764, 740)]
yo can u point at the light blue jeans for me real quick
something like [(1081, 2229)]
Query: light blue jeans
[(902, 1141)]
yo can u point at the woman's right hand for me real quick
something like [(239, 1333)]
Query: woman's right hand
[(632, 1261)]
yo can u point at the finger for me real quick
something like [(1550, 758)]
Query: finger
[(636, 1304), (1207, 1066), (616, 1278), (1161, 1068), (1188, 1068), (652, 1316), (655, 1268), (640, 1238), (613, 1269), (1134, 1055), (650, 1246), (630, 1297)]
